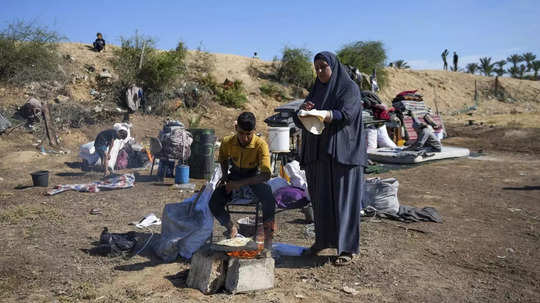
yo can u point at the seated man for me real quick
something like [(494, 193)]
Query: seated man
[(104, 142), (99, 44), (248, 158), (427, 140)]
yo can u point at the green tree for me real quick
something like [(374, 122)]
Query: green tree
[(486, 66), (296, 67), (514, 71), (401, 64), (138, 62), (528, 58), (500, 67), (499, 71), (471, 68), (535, 65), (28, 52), (521, 70), (515, 59), (500, 64), (366, 56)]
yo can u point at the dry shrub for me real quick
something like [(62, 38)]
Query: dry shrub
[(28, 52)]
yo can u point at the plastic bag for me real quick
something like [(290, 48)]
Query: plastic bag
[(291, 197), (383, 140), (113, 245), (297, 176), (382, 195), (88, 152), (371, 134), (277, 183), (184, 227), (284, 249)]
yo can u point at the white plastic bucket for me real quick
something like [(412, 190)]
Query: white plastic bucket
[(278, 139)]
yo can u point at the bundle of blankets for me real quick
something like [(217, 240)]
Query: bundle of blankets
[(176, 141), (410, 100)]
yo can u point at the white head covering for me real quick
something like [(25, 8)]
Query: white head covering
[(121, 126)]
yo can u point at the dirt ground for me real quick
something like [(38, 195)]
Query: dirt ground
[(485, 251)]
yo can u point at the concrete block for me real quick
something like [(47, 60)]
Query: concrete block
[(245, 275), (208, 271)]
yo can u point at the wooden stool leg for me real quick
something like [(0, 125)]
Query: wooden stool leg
[(256, 220), (153, 162)]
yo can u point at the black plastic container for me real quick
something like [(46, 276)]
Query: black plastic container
[(201, 161), (40, 178)]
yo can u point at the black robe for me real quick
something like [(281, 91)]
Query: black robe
[(334, 161)]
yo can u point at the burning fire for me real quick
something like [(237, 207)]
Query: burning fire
[(244, 254)]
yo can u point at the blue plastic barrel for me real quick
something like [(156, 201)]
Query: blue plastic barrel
[(181, 175)]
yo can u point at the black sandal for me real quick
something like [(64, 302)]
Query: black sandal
[(344, 259)]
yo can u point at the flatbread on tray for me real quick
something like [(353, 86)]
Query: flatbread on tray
[(234, 242)]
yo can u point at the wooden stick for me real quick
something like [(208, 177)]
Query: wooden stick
[(14, 127), (51, 133)]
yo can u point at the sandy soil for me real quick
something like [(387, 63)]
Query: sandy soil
[(485, 251)]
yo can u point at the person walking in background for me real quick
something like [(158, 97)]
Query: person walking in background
[(334, 160), (444, 55), (455, 61), (99, 44)]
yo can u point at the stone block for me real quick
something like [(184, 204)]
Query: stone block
[(245, 275), (208, 270)]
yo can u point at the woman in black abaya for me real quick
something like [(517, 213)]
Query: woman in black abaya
[(334, 160)]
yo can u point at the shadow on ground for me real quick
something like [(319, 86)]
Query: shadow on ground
[(179, 279), (526, 187)]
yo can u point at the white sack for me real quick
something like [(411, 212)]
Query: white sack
[(383, 140), (371, 134)]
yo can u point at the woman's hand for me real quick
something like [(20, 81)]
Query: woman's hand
[(308, 105)]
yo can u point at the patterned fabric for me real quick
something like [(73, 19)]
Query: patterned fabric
[(118, 182), (177, 144), (134, 96)]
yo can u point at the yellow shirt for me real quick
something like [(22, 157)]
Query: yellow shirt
[(254, 155)]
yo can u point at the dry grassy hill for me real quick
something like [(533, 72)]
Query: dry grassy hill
[(449, 92)]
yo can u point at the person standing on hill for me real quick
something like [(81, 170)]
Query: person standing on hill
[(99, 44), (334, 159), (455, 61), (444, 55)]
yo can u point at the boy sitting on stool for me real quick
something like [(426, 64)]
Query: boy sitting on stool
[(248, 158)]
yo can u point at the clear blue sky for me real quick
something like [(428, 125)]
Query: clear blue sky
[(416, 31)]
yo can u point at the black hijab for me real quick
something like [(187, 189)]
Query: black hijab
[(344, 138), (325, 94)]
